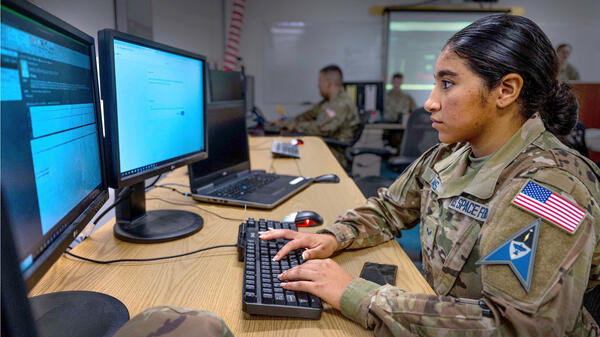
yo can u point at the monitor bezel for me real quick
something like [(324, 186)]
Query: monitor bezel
[(83, 212), (106, 39)]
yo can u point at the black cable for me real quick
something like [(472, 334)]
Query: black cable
[(154, 182), (298, 167), (148, 259), (195, 206)]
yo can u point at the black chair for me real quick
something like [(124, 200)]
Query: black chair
[(418, 137), (364, 118), (576, 139)]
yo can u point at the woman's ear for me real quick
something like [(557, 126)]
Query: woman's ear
[(508, 90)]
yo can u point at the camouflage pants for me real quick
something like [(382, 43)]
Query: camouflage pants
[(167, 321)]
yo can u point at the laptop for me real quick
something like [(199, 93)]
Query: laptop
[(225, 176)]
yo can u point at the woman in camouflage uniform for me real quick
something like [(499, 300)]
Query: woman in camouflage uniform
[(510, 240)]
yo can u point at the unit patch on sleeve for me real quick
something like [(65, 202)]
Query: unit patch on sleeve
[(550, 206), (518, 252), (469, 208)]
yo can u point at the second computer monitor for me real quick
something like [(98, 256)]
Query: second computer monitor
[(155, 121)]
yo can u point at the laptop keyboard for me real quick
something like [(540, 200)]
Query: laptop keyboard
[(285, 149), (262, 293), (245, 186)]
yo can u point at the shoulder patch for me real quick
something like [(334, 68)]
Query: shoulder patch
[(553, 208), (330, 113), (518, 252)]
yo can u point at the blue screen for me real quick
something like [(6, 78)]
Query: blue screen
[(160, 106), (50, 152)]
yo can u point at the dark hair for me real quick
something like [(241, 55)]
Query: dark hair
[(397, 75), (500, 44), (333, 69), (562, 45)]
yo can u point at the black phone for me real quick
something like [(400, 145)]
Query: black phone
[(379, 273)]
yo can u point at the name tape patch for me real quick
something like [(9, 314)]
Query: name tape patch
[(469, 208)]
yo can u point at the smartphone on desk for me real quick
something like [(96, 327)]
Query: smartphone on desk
[(379, 273)]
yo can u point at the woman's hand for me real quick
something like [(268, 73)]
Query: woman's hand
[(323, 278), (317, 246)]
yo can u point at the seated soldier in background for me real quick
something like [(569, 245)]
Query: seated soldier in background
[(397, 107), (334, 117), (396, 102)]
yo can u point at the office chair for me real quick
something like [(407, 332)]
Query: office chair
[(591, 301), (364, 118), (419, 136)]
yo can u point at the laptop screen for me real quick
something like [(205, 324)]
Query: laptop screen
[(227, 143)]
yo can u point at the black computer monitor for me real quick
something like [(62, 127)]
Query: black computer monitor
[(52, 174), (368, 96), (155, 121), (225, 85)]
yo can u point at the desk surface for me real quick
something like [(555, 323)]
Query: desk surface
[(212, 280)]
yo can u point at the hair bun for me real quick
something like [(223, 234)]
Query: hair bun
[(560, 109)]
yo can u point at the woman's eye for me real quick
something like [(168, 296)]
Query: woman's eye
[(446, 84)]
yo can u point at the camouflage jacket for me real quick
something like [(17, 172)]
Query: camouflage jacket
[(169, 321), (566, 72), (397, 103), (466, 219), (335, 118)]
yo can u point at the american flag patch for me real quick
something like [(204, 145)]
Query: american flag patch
[(550, 206)]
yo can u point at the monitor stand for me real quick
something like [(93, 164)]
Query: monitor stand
[(78, 313), (135, 224)]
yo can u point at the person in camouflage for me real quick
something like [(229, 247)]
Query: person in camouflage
[(396, 102), (566, 71), (509, 215), (334, 117), (169, 321)]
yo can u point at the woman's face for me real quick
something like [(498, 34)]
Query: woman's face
[(460, 105)]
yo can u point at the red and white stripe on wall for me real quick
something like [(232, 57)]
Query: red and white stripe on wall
[(234, 36)]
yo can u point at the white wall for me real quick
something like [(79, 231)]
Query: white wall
[(194, 25), (89, 16)]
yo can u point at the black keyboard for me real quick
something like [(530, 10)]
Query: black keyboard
[(245, 186), (285, 149), (262, 293)]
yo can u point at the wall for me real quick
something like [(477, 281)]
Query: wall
[(89, 16), (192, 25), (573, 21)]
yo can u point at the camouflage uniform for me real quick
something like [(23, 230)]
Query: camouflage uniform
[(565, 264), (567, 72), (397, 103), (335, 118), (170, 321)]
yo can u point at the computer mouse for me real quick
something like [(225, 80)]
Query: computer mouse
[(304, 219), (329, 178), (296, 141)]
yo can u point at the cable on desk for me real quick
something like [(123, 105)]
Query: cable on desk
[(198, 207), (147, 259), (298, 167)]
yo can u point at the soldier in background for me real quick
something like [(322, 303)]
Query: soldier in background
[(397, 104), (566, 72), (509, 215), (397, 108), (334, 117)]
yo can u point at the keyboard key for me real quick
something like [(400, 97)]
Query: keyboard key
[(250, 297), (302, 299), (291, 299), (279, 298), (267, 298)]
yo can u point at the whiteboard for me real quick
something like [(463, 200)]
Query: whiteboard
[(294, 52)]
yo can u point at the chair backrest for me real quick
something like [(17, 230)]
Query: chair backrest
[(364, 119), (419, 135), (576, 139)]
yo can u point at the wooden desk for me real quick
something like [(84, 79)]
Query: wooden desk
[(212, 280)]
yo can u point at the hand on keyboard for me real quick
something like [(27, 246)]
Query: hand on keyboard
[(317, 246), (323, 278)]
